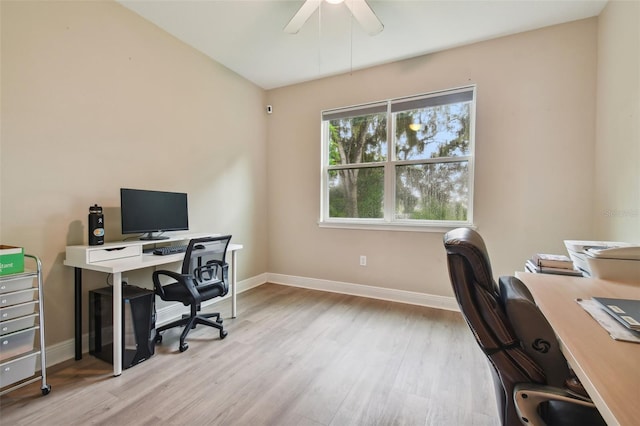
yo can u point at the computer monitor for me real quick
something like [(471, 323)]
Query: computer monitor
[(148, 212)]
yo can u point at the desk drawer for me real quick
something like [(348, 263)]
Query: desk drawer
[(17, 297), (18, 369), (100, 255), (17, 310), (17, 324), (17, 343), (15, 284)]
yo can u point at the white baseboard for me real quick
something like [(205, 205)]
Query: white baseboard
[(393, 295), (66, 350)]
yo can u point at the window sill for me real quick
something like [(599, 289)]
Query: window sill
[(402, 227)]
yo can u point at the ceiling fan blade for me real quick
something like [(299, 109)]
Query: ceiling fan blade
[(365, 16), (301, 16)]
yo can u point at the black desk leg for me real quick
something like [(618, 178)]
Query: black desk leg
[(78, 311)]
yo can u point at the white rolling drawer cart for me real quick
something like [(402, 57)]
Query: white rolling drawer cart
[(21, 319)]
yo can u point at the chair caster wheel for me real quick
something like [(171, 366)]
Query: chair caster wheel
[(219, 320), (184, 347), (158, 338), (45, 391), (223, 334)]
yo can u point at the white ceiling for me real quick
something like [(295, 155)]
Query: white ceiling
[(247, 35)]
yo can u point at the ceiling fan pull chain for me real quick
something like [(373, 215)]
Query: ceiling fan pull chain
[(320, 38), (351, 45)]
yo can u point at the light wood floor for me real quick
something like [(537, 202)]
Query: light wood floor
[(292, 357)]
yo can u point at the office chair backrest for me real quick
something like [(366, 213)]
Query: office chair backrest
[(534, 332), (481, 305), (204, 276), (205, 259)]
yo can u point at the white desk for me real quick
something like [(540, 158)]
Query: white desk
[(607, 368), (116, 258)]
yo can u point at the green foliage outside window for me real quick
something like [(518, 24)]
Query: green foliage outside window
[(430, 162)]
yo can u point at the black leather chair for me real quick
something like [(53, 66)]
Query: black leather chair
[(204, 275), (532, 379)]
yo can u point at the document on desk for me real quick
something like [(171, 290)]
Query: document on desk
[(616, 330), (625, 311)]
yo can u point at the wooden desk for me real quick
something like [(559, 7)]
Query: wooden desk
[(127, 256), (608, 369)]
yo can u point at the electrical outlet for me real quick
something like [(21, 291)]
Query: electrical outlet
[(363, 260)]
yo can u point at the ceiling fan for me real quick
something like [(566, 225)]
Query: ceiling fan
[(359, 9)]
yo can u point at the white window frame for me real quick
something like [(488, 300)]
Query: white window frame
[(388, 222)]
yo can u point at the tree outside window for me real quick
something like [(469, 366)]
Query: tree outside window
[(403, 161)]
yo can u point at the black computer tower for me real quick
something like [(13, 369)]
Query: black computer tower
[(138, 324)]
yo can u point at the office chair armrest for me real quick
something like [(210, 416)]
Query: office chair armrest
[(225, 278), (529, 396), (157, 285), (225, 269), (185, 279), (225, 273)]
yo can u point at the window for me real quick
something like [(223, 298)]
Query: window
[(402, 162)]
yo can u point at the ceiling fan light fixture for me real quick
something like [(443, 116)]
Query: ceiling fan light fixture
[(359, 9)]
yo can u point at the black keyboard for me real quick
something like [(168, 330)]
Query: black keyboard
[(163, 251)]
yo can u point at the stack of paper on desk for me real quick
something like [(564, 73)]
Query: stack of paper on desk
[(615, 329), (626, 311), (541, 263)]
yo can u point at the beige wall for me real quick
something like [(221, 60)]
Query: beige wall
[(95, 98), (535, 142), (617, 171)]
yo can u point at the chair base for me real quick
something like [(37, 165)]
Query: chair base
[(189, 322)]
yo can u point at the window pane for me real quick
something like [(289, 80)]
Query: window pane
[(441, 98), (433, 132), (426, 166), (356, 140), (356, 193), (432, 191)]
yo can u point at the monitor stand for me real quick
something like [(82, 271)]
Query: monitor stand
[(150, 237)]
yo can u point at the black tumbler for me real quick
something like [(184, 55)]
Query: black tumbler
[(96, 226)]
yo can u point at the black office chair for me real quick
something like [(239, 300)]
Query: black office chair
[(532, 379), (205, 275)]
